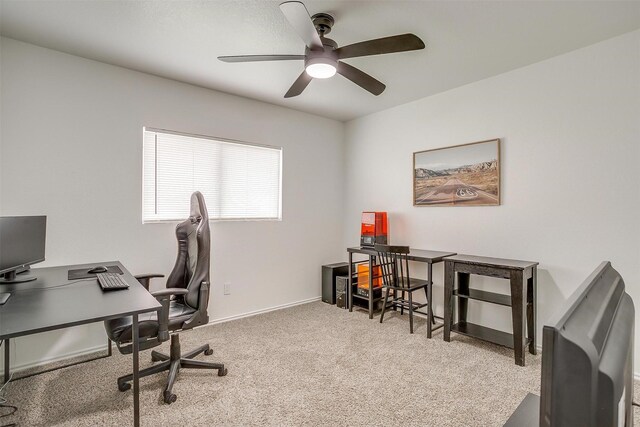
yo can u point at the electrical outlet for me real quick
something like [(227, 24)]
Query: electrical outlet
[(227, 288)]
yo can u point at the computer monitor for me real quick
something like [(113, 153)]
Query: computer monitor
[(22, 243), (587, 356)]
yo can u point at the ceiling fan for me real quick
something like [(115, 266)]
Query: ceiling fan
[(322, 56)]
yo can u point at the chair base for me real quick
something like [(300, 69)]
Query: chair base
[(173, 363)]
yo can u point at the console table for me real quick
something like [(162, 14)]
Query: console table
[(522, 276), (419, 255)]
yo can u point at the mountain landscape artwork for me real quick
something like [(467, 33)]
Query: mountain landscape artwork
[(462, 175)]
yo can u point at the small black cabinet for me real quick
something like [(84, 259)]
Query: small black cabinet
[(329, 273)]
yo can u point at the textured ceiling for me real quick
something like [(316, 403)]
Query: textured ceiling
[(466, 41)]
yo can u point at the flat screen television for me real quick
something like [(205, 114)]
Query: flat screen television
[(22, 243), (587, 356)]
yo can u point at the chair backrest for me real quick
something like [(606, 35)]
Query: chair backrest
[(394, 264), (194, 247)]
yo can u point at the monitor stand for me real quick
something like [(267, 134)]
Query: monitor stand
[(10, 277), (527, 414), (4, 298)]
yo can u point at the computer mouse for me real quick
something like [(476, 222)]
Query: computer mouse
[(98, 269)]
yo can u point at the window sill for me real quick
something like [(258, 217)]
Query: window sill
[(177, 221)]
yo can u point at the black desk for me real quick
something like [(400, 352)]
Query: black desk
[(419, 255), (522, 276), (44, 305)]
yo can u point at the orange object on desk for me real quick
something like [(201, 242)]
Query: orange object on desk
[(373, 228), (363, 276)]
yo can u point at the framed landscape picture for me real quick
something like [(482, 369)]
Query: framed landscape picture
[(462, 175)]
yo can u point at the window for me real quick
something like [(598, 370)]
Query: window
[(238, 181)]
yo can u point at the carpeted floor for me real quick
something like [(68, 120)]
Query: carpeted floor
[(310, 365)]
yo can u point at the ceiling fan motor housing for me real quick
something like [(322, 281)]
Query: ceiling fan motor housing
[(326, 56), (323, 23)]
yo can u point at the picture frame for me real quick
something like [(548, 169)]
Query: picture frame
[(459, 175)]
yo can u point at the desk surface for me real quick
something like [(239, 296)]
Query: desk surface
[(494, 262), (54, 302), (421, 255)]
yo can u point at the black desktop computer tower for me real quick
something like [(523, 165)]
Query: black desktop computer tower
[(342, 284), (329, 273)]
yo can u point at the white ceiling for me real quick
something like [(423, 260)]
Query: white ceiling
[(466, 41)]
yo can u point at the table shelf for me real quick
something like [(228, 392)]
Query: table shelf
[(367, 298), (488, 334), (492, 297)]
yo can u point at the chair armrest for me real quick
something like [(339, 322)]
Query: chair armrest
[(144, 279), (169, 292), (164, 297)]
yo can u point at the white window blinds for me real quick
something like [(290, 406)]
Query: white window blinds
[(238, 181)]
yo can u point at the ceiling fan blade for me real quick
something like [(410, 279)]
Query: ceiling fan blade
[(401, 43), (299, 85), (298, 16), (255, 58), (362, 79)]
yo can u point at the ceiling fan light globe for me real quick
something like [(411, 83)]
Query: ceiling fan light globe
[(320, 70)]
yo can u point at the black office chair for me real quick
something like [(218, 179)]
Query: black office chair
[(394, 264), (184, 305)]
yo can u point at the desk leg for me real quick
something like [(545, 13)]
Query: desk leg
[(350, 283), (449, 278), (429, 295), (518, 308), (370, 287), (136, 373), (7, 366), (532, 290)]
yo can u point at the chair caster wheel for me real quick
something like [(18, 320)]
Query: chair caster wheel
[(169, 397), (222, 372), (208, 352), (124, 386)]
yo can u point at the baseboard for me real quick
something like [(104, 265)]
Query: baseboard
[(85, 352), (261, 311), (53, 359)]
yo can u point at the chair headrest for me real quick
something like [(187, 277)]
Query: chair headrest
[(198, 208)]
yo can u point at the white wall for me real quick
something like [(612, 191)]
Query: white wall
[(570, 131), (72, 150)]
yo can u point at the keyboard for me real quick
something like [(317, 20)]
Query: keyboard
[(111, 281)]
